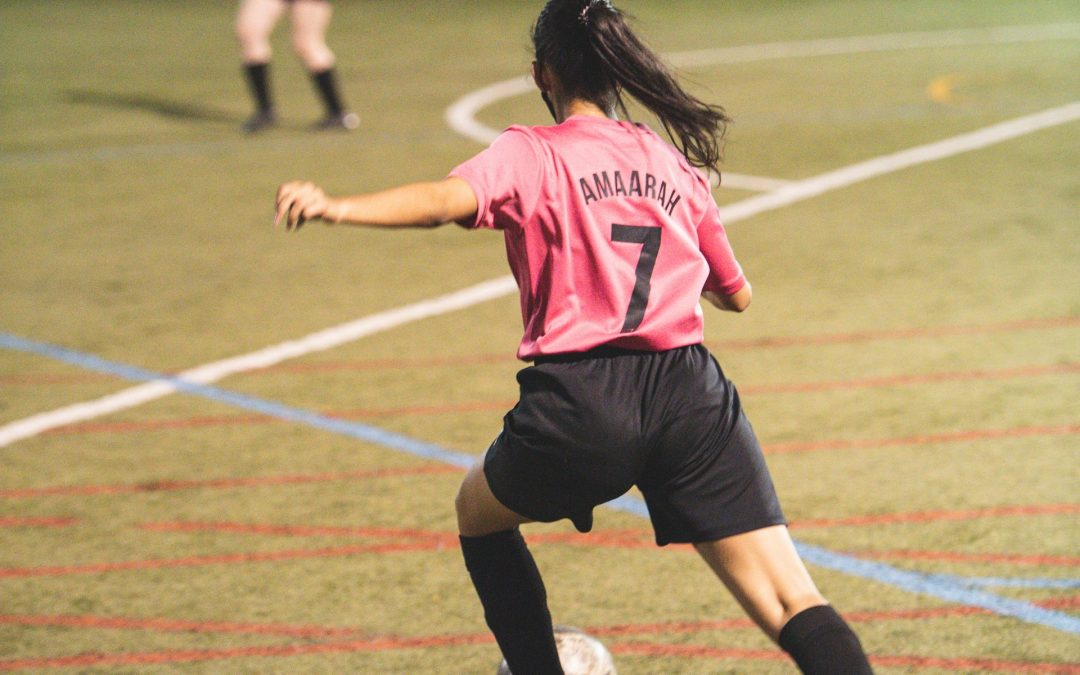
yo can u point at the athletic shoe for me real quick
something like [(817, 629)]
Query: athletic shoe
[(346, 121), (261, 120)]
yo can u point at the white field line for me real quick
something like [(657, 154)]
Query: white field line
[(876, 43), (212, 372), (461, 118), (742, 181), (332, 337), (811, 187)]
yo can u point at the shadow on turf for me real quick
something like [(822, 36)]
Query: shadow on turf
[(180, 110)]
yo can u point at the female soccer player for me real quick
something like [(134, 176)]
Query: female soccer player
[(613, 236), (255, 22)]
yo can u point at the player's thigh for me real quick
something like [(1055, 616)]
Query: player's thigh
[(479, 512), (255, 20), (763, 571), (310, 19)]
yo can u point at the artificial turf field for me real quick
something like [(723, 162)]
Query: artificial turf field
[(911, 361)]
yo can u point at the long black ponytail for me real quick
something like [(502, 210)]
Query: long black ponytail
[(594, 53)]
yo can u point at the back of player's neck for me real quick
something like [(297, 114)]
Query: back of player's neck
[(580, 107)]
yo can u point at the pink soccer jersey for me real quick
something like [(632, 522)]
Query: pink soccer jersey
[(610, 233)]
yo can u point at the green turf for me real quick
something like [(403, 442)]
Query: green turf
[(912, 347)]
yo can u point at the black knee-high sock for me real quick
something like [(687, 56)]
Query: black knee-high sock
[(258, 79), (515, 602), (326, 84), (822, 643)]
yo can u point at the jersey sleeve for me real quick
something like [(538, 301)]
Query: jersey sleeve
[(725, 274), (506, 179)]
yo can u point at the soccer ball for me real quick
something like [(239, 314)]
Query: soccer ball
[(579, 654)]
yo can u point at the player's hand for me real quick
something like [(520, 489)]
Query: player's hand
[(298, 202)]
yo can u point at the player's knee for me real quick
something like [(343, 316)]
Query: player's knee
[(793, 604), (246, 30), (313, 53), (254, 46)]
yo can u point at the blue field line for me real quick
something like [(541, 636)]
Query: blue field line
[(1008, 582), (946, 587), (356, 430)]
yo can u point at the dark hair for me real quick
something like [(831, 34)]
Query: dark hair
[(591, 49)]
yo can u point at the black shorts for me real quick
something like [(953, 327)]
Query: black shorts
[(590, 426)]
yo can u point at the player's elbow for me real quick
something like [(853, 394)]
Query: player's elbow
[(740, 300), (733, 302)]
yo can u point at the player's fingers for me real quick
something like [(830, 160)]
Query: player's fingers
[(281, 212), (283, 202), (289, 209), (287, 196), (296, 214)]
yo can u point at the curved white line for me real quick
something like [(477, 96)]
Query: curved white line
[(862, 44), (461, 115)]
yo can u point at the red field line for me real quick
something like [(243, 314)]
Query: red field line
[(399, 643), (421, 540), (386, 644), (923, 439), (301, 530), (33, 521), (393, 364), (640, 537), (221, 483), (900, 380), (948, 556), (382, 643), (727, 345), (615, 538), (164, 625), (159, 424), (193, 655), (36, 379), (696, 651), (243, 420), (502, 405), (975, 664), (956, 664), (896, 334), (438, 542), (627, 539), (937, 516), (168, 625), (223, 559)]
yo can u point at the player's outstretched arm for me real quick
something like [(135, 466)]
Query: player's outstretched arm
[(736, 302), (415, 205)]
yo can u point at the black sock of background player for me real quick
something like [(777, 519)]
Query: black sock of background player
[(822, 643), (258, 79), (515, 601), (326, 85)]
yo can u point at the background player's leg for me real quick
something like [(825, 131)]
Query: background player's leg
[(310, 20), (763, 571), (255, 21), (506, 578)]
